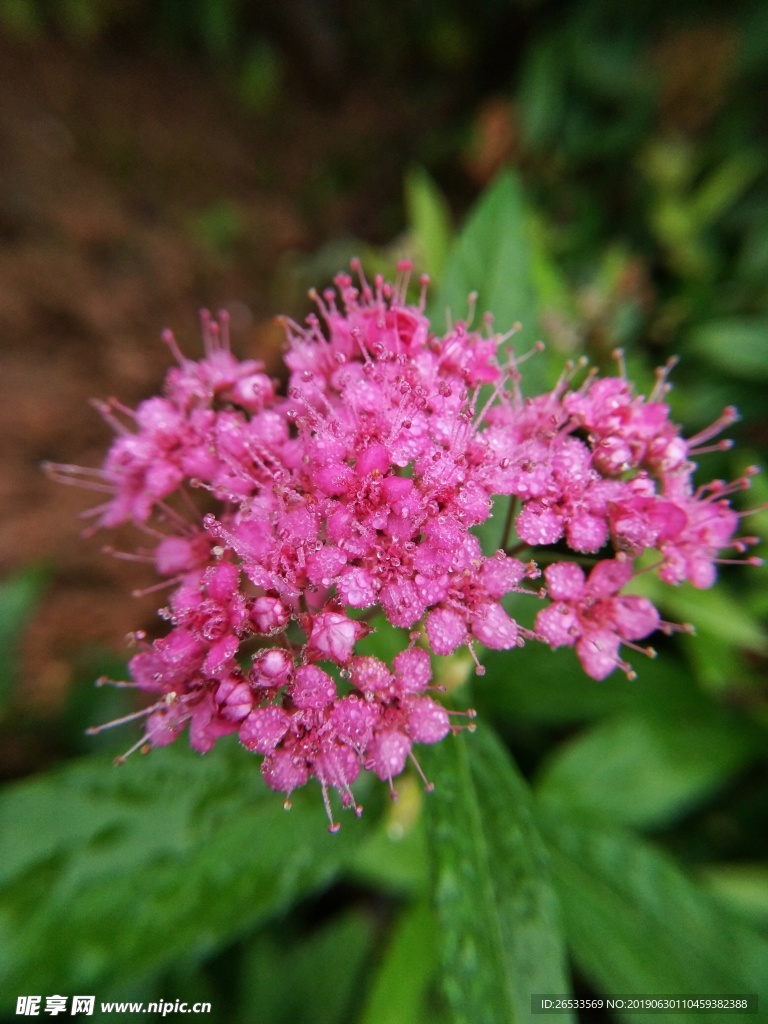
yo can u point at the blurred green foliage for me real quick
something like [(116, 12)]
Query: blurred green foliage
[(610, 837), (18, 597)]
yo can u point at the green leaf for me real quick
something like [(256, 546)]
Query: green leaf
[(551, 287), (542, 94), (18, 597), (491, 256), (81, 20), (259, 78), (217, 29), (724, 186), (536, 684), (742, 887), (312, 976), (384, 640), (737, 346), (393, 858), (430, 221), (406, 971), (21, 18), (636, 924), (646, 770), (168, 853), (724, 627), (218, 227), (497, 916), (716, 614)]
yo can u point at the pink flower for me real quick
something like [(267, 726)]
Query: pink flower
[(358, 489), (590, 613), (333, 636)]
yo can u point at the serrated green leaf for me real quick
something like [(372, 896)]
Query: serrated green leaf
[(498, 925), (636, 924), (646, 770), (406, 971), (430, 221), (168, 854)]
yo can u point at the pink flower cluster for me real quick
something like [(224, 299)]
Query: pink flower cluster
[(282, 522)]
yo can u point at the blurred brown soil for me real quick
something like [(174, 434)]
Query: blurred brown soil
[(132, 192)]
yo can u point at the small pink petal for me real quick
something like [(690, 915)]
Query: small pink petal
[(598, 653), (565, 581), (427, 721), (387, 753), (312, 688), (446, 630), (494, 628), (263, 729)]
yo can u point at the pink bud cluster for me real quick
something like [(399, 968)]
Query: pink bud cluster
[(356, 492)]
